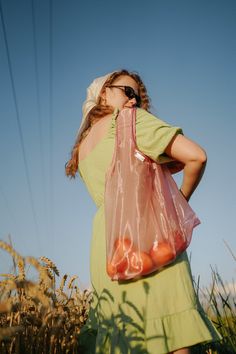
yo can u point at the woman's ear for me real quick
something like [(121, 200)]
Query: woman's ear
[(103, 97), (103, 94)]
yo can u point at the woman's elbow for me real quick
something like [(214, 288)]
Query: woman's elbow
[(200, 157)]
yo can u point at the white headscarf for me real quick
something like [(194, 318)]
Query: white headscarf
[(93, 92)]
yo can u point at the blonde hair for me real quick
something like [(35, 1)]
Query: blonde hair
[(98, 112)]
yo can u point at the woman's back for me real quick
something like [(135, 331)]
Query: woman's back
[(152, 136), (97, 132)]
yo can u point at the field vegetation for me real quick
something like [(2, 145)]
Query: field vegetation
[(39, 317)]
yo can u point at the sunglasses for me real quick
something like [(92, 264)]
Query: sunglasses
[(129, 92)]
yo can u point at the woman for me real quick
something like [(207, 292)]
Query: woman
[(159, 313)]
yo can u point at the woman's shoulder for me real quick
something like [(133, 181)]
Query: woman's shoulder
[(153, 135), (148, 118)]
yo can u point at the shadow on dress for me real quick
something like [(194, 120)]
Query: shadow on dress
[(118, 333)]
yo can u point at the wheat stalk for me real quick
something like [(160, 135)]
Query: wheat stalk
[(35, 312), (63, 280), (71, 281), (50, 265), (10, 276)]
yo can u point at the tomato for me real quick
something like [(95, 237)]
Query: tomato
[(117, 266), (119, 260), (139, 262), (161, 253), (122, 265), (123, 244), (111, 269), (147, 263), (122, 248), (128, 260), (180, 242), (135, 264)]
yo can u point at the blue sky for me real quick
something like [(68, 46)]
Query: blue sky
[(185, 52)]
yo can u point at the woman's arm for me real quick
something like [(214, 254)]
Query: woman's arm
[(194, 159)]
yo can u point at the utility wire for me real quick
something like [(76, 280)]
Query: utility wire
[(7, 207), (19, 126), (43, 178), (51, 117)]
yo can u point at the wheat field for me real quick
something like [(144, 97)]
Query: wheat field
[(36, 317)]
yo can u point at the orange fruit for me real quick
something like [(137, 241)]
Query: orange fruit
[(123, 244), (161, 253), (135, 264), (139, 262), (121, 265), (180, 242), (122, 247), (111, 269), (147, 263)]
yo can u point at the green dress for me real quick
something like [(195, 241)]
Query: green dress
[(161, 312)]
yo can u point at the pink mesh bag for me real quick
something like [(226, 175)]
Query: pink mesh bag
[(148, 222)]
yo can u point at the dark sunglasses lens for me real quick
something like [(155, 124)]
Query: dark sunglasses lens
[(138, 100), (129, 92)]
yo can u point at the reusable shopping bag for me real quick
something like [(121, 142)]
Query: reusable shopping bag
[(148, 222)]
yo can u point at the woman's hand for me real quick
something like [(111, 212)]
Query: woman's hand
[(193, 157)]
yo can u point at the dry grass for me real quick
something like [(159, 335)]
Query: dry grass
[(37, 317)]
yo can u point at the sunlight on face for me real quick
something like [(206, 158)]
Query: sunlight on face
[(116, 97)]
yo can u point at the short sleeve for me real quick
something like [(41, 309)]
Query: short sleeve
[(153, 135)]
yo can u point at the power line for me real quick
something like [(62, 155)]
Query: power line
[(38, 104), (51, 116), (19, 125), (7, 207)]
